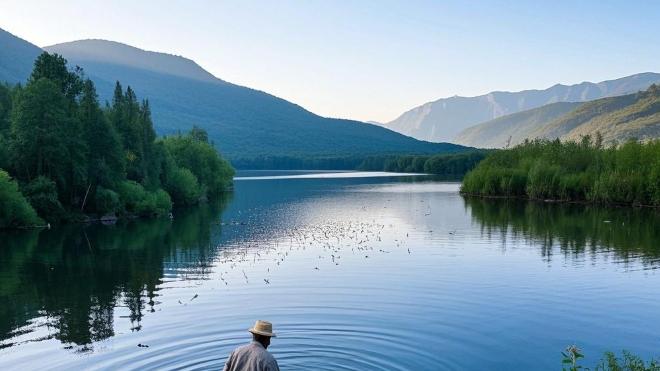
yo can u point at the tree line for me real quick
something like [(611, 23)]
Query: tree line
[(64, 157), (572, 171), (451, 165)]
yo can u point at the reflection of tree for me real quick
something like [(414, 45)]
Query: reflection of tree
[(75, 276), (628, 233)]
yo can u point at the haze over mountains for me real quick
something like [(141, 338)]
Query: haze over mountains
[(442, 120), (242, 122)]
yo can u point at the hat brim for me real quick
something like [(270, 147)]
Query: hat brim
[(263, 333)]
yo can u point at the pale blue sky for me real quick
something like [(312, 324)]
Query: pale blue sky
[(368, 60)]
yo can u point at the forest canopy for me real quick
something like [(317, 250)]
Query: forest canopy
[(64, 157)]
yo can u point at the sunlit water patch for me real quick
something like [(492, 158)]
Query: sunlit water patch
[(373, 273)]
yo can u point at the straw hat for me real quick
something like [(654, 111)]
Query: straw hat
[(264, 328)]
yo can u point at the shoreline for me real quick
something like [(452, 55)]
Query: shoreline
[(559, 201)]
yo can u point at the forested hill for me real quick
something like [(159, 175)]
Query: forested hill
[(617, 119), (242, 122), (442, 120)]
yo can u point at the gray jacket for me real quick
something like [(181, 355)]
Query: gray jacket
[(251, 357)]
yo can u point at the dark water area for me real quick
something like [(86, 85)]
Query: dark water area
[(356, 273)]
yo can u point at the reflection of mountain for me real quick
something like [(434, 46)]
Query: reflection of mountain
[(75, 277), (577, 230)]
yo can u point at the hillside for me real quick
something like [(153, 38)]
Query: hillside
[(616, 119), (442, 120), (16, 57), (242, 122), (513, 129)]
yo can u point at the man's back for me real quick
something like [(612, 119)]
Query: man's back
[(251, 357)]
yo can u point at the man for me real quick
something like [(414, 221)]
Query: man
[(254, 356)]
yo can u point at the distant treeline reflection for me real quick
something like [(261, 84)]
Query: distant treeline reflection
[(74, 276), (577, 230)]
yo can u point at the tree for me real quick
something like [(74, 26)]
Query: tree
[(105, 157), (53, 67), (15, 210), (38, 129)]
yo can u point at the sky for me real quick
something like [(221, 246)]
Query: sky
[(368, 60)]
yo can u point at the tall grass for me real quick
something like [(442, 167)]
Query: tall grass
[(571, 171)]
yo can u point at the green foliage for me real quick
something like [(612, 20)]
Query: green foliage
[(107, 201), (39, 120), (571, 171), (15, 210), (42, 194), (194, 153), (571, 357), (141, 202), (73, 156), (183, 186), (630, 362), (451, 165)]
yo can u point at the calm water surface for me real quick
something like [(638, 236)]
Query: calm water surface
[(357, 273)]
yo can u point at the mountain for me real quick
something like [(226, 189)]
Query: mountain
[(513, 129), (615, 118), (443, 119), (242, 122), (16, 58)]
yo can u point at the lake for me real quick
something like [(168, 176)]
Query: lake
[(356, 272)]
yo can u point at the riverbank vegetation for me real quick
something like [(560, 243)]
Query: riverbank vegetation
[(451, 165), (572, 356), (583, 171), (66, 158)]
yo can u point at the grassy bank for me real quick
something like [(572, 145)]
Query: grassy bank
[(585, 171)]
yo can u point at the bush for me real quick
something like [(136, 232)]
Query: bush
[(15, 210), (42, 194), (141, 202), (183, 186), (107, 201)]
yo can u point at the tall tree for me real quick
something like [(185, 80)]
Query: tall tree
[(38, 127), (105, 156)]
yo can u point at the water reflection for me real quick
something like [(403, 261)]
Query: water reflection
[(627, 234), (74, 277)]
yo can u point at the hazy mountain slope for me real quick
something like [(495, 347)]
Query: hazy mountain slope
[(616, 118), (111, 52), (242, 122), (16, 57), (444, 119), (513, 129)]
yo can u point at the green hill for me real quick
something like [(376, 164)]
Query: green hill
[(617, 119), (513, 129)]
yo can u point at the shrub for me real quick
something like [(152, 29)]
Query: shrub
[(15, 210), (42, 194), (107, 201), (183, 186), (141, 202)]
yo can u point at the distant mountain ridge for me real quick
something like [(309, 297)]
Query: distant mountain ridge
[(243, 123), (444, 119), (112, 52), (617, 119)]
